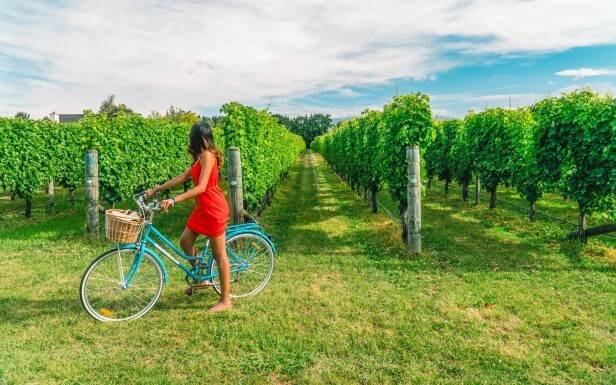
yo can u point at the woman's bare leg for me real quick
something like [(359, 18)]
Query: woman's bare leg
[(220, 255), (187, 243)]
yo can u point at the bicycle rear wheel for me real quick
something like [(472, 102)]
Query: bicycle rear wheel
[(252, 250), (106, 297)]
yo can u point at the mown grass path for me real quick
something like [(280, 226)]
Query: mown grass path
[(346, 304)]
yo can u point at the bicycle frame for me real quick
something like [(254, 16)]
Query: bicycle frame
[(151, 234)]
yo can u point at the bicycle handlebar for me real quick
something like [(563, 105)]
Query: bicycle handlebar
[(155, 206)]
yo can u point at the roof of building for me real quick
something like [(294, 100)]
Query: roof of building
[(68, 118)]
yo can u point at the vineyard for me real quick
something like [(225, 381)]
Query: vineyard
[(565, 145), (136, 153), (395, 192), (493, 297)]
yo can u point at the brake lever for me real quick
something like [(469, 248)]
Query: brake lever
[(155, 205)]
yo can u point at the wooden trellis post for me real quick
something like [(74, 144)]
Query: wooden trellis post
[(51, 192), (92, 193), (236, 196), (477, 189), (414, 199)]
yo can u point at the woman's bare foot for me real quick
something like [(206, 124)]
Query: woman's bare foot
[(190, 290), (220, 306)]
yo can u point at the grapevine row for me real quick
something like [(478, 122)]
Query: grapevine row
[(268, 149), (369, 152), (562, 144), (136, 153), (565, 144)]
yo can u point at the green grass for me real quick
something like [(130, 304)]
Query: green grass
[(492, 299)]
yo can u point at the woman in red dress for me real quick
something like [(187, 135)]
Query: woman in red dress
[(211, 211)]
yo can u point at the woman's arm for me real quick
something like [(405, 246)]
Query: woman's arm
[(183, 177), (208, 161)]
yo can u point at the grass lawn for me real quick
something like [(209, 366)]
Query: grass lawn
[(493, 299)]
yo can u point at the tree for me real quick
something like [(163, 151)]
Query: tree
[(22, 115), (285, 121), (313, 126), (109, 108), (178, 115), (307, 126), (154, 115), (214, 120)]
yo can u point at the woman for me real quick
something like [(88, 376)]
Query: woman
[(211, 212)]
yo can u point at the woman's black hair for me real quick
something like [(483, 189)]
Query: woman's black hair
[(201, 138)]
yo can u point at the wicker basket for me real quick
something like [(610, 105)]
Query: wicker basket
[(122, 226)]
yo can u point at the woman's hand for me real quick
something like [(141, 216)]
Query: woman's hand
[(164, 205), (149, 193)]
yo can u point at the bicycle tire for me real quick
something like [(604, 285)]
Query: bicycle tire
[(260, 268), (103, 295)]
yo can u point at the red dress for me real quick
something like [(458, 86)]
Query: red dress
[(212, 211)]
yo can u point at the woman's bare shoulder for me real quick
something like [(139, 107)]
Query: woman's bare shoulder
[(207, 155)]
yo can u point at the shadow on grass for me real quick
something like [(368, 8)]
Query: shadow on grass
[(457, 242), (453, 239), (20, 310), (573, 250)]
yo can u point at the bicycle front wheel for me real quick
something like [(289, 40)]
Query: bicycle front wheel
[(252, 262), (106, 295)]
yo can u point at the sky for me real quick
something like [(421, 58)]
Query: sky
[(300, 57)]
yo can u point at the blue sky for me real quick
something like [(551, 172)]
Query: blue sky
[(337, 57), (496, 82)]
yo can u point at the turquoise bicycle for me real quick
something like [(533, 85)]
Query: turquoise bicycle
[(124, 283)]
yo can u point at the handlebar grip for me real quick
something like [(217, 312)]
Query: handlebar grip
[(155, 207)]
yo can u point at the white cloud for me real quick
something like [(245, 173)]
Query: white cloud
[(442, 113), (504, 100), (585, 72), (480, 102), (348, 93), (336, 112), (457, 105), (203, 54), (600, 88)]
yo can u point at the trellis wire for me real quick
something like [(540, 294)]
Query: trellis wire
[(399, 222), (20, 209), (526, 209)]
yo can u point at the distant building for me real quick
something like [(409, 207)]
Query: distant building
[(65, 118)]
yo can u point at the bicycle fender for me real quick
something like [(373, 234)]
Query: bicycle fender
[(160, 261), (255, 233)]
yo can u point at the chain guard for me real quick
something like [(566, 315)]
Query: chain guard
[(200, 270)]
